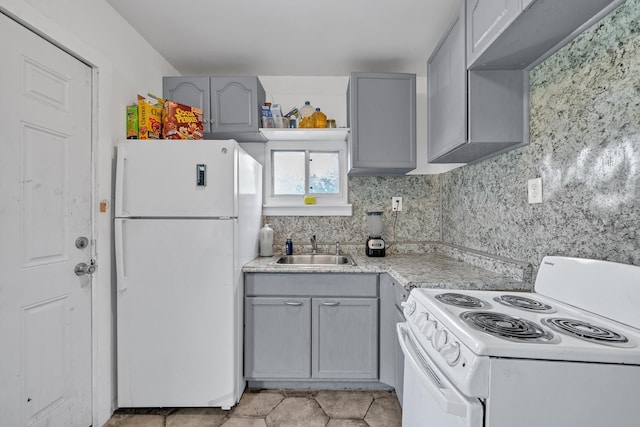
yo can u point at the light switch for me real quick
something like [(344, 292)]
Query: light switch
[(535, 190)]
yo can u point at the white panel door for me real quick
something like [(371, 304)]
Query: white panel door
[(176, 312), (45, 205)]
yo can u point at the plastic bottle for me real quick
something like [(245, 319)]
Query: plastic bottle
[(288, 247), (319, 119), (266, 241), (306, 111)]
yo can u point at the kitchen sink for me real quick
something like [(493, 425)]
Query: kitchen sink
[(316, 259)]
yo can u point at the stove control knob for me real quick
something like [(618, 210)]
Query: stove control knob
[(421, 319), (408, 307), (451, 353), (439, 339), (428, 328)]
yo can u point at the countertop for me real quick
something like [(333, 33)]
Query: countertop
[(424, 270)]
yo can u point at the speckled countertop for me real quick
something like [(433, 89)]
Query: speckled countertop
[(425, 270)]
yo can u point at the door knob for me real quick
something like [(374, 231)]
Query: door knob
[(82, 268), (82, 242)]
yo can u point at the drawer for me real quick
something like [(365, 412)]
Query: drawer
[(311, 284)]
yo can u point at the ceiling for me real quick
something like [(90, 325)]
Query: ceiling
[(285, 38)]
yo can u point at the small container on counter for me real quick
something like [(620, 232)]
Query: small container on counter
[(266, 241), (288, 247)]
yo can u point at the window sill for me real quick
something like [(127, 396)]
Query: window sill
[(308, 210)]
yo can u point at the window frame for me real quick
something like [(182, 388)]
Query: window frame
[(288, 205)]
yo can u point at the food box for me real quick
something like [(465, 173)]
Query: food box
[(181, 121), (149, 117), (132, 121)]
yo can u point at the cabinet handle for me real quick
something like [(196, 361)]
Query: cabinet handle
[(293, 303), (331, 304)]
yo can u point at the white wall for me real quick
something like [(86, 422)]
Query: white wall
[(125, 65)]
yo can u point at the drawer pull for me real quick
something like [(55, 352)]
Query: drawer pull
[(331, 304), (293, 303)]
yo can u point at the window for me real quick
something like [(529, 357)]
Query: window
[(295, 169)]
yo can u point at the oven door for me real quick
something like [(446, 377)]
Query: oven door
[(429, 398)]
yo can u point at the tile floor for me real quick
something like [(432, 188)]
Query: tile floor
[(277, 408)]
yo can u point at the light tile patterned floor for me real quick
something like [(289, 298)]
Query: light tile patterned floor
[(277, 408)]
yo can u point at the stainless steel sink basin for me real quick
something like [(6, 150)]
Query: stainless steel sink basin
[(316, 259)]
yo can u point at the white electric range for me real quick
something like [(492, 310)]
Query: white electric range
[(565, 355)]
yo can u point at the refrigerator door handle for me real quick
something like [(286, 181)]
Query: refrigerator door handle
[(121, 175), (121, 277)]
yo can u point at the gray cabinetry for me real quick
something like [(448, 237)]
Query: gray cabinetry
[(192, 91), (231, 105), (472, 114), (311, 326), (345, 338), (280, 337), (486, 19), (381, 113), (392, 294), (519, 34)]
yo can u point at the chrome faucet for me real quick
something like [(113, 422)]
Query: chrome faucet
[(314, 245), (337, 248)]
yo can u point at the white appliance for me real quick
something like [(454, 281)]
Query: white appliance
[(567, 355), (187, 219)]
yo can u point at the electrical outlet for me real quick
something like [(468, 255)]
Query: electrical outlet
[(396, 204), (535, 190)]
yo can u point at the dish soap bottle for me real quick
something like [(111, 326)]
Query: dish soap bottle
[(306, 111), (266, 241), (319, 119)]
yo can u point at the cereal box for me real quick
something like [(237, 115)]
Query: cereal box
[(181, 121), (149, 117), (132, 121)]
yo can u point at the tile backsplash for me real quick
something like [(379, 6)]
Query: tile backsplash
[(417, 223), (584, 144)]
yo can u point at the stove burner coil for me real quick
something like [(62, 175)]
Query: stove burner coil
[(525, 303), (507, 327), (587, 331), (461, 300)]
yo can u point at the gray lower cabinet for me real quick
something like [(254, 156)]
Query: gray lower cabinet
[(381, 113), (344, 338), (279, 333), (231, 105), (392, 294), (472, 115), (311, 327)]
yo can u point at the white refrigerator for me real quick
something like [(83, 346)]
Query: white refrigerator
[(187, 217)]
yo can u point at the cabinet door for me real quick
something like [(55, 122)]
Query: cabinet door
[(382, 118), (192, 91), (345, 338), (447, 92), (392, 294), (277, 338), (235, 103), (486, 20)]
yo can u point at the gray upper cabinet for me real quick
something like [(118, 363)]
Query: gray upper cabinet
[(486, 20), (192, 91), (519, 34), (231, 105), (381, 113), (472, 115)]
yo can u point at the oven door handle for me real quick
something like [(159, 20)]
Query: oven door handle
[(447, 398)]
